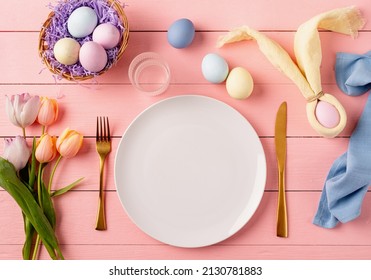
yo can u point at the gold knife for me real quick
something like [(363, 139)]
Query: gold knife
[(280, 142)]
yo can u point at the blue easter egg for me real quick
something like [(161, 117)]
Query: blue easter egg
[(214, 68), (181, 33)]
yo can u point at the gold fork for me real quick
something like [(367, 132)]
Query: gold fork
[(103, 144)]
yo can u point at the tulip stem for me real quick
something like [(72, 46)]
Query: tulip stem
[(43, 130), (36, 248), (39, 194), (53, 172), (39, 186), (24, 132)]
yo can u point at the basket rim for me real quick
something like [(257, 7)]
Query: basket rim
[(116, 5)]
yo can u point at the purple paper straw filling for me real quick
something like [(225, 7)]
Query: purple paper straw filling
[(57, 29)]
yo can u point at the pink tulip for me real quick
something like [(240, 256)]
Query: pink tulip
[(69, 143), (48, 112), (45, 148), (17, 152), (22, 109)]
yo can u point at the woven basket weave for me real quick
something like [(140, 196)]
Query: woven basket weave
[(43, 46)]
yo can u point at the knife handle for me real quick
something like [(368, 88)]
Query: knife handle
[(281, 209)]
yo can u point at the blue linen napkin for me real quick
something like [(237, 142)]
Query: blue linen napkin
[(350, 175)]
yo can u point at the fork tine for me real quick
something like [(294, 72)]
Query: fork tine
[(101, 129), (105, 129), (108, 130), (97, 133)]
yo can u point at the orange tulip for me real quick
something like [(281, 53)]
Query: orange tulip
[(45, 148), (69, 143), (48, 112)]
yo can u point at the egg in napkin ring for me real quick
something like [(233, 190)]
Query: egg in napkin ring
[(307, 47)]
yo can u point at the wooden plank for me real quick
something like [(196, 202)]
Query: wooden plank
[(309, 156), (216, 252), (122, 104), (76, 214), (22, 64), (306, 167), (284, 252), (154, 15)]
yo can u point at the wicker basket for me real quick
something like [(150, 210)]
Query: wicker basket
[(43, 46)]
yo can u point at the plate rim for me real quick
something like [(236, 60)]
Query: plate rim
[(264, 165)]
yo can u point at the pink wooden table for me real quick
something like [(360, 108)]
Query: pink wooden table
[(309, 155)]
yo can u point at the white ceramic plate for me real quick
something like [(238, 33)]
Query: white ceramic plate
[(190, 171)]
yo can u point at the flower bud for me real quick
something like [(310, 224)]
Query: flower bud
[(48, 112), (45, 148), (69, 143), (22, 109), (17, 152)]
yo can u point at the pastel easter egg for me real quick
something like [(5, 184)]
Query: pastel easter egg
[(93, 57), (214, 68), (239, 83), (327, 115), (181, 33), (82, 22), (66, 51), (107, 35)]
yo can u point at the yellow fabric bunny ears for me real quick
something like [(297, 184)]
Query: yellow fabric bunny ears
[(307, 47)]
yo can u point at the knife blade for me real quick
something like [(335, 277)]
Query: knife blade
[(280, 144)]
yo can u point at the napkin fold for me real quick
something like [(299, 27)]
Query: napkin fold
[(307, 46), (350, 175)]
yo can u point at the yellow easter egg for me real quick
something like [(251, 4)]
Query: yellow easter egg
[(239, 83), (66, 51)]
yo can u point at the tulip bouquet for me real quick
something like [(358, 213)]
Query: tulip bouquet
[(22, 170)]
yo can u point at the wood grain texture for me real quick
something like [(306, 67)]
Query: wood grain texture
[(302, 163), (76, 212), (215, 252), (23, 65), (221, 15), (117, 101), (309, 156)]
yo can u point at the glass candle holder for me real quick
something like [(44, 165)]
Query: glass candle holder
[(149, 73)]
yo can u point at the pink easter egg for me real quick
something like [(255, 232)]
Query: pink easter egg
[(327, 115), (106, 35), (93, 57)]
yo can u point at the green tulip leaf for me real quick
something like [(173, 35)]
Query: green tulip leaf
[(66, 189), (28, 244), (47, 205), (26, 201)]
